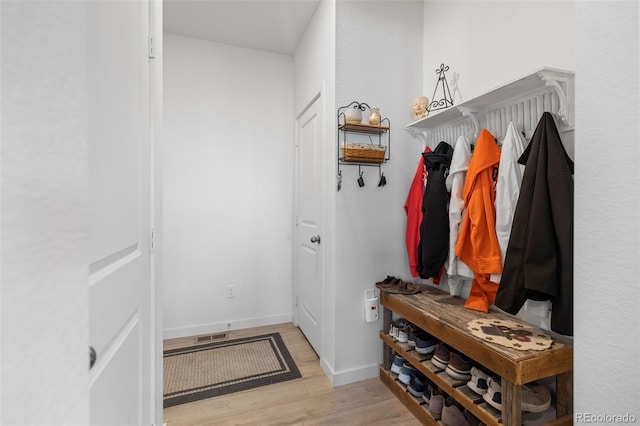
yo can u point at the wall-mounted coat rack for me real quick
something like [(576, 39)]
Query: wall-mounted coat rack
[(522, 101)]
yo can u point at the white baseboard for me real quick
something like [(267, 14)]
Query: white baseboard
[(195, 330), (350, 376)]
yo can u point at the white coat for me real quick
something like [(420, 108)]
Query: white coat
[(510, 174), (457, 270)]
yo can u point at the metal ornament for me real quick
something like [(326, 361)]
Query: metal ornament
[(441, 86)]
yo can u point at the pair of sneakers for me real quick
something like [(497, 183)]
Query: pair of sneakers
[(479, 381), (421, 341), (401, 368), (416, 382), (397, 364), (419, 385), (406, 372), (425, 343), (398, 331), (449, 411), (454, 414), (436, 402), (405, 332), (455, 364), (535, 398)]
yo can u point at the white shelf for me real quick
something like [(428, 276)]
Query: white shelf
[(522, 101)]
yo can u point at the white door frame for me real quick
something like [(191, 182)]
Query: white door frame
[(156, 116)]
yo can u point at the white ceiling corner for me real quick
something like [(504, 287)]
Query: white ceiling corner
[(270, 25)]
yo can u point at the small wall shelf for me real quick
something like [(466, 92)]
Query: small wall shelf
[(377, 137), (522, 101), (363, 128)]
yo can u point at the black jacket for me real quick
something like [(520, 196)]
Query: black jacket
[(434, 229), (539, 259)]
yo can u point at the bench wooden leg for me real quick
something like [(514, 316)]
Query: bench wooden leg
[(564, 390), (388, 352), (511, 411)]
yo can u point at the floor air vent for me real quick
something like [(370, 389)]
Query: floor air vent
[(210, 337)]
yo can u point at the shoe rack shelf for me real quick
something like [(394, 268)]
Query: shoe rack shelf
[(439, 377), (444, 317)]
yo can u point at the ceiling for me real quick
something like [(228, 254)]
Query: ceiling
[(274, 26)]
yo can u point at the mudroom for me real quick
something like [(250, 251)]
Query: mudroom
[(236, 191), (239, 178)]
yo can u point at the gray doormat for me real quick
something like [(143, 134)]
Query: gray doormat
[(205, 371)]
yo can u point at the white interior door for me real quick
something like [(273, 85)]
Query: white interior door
[(119, 183), (309, 272)]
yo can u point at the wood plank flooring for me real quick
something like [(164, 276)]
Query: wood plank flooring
[(310, 400)]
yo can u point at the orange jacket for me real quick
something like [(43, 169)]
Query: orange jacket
[(477, 244)]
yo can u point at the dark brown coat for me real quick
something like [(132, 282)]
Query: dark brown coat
[(539, 260)]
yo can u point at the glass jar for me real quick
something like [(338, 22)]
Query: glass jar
[(374, 116)]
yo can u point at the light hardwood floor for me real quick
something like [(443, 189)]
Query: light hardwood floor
[(310, 400)]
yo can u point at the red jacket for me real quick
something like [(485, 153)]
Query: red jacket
[(413, 209)]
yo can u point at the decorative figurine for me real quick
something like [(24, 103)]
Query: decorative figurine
[(419, 107)]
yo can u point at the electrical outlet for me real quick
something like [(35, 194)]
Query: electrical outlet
[(231, 291)]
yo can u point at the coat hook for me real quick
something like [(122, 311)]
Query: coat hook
[(361, 179), (383, 180)]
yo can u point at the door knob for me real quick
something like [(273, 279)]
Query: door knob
[(92, 357), (315, 239)]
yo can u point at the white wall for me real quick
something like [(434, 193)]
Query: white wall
[(228, 186), (607, 206), (314, 59), (378, 61), (489, 43), (44, 294)]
